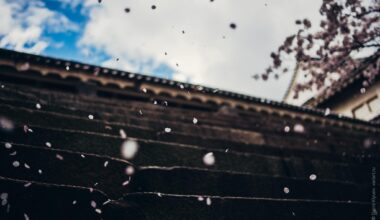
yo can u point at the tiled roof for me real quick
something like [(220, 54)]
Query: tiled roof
[(123, 75), (79, 154)]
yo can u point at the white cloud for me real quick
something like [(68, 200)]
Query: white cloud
[(6, 21), (119, 64), (202, 53), (23, 23), (19, 37)]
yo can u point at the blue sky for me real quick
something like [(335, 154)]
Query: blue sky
[(150, 41), (69, 39), (64, 44)]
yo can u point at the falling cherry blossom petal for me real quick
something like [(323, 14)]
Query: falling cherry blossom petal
[(209, 159), (313, 177), (59, 157), (93, 204), (298, 128), (208, 201), (130, 170), (16, 163), (195, 120), (129, 148), (122, 133), (8, 145), (286, 190)]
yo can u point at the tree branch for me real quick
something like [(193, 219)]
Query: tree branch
[(367, 13)]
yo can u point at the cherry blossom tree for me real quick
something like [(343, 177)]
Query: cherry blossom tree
[(348, 28)]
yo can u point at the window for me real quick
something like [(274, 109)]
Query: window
[(361, 112), (374, 104), (367, 110)]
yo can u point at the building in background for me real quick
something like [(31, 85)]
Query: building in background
[(346, 96)]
